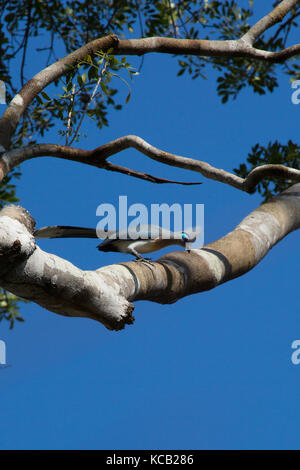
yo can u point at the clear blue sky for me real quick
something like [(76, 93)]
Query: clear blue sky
[(212, 371)]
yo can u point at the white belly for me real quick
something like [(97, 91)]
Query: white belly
[(144, 246)]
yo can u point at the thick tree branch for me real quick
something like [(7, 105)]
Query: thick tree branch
[(98, 158), (269, 20), (203, 47), (106, 295)]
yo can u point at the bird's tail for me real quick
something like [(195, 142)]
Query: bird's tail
[(65, 231)]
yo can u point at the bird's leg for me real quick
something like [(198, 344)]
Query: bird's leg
[(138, 256)]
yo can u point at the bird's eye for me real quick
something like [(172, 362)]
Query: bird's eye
[(184, 237)]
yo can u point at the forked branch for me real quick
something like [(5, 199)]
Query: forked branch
[(98, 158)]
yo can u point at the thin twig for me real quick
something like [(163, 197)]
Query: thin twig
[(90, 100), (70, 115), (172, 19), (25, 42), (141, 31), (288, 22)]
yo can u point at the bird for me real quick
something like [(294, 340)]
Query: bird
[(147, 239), (135, 240)]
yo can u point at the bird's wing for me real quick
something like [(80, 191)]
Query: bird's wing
[(66, 231), (148, 232), (143, 232)]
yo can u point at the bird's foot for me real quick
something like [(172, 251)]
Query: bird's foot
[(146, 260)]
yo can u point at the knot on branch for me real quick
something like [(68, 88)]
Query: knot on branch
[(19, 213), (15, 248), (115, 39)]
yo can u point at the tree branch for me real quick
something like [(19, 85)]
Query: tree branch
[(269, 20), (288, 23), (203, 47), (98, 158), (106, 295), (144, 176), (35, 85), (242, 47)]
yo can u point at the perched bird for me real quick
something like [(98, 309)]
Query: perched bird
[(135, 241), (147, 239)]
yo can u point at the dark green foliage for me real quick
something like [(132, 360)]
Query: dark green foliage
[(9, 307), (8, 190), (225, 21), (274, 153)]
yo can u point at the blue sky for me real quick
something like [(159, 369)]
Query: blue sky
[(212, 371)]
